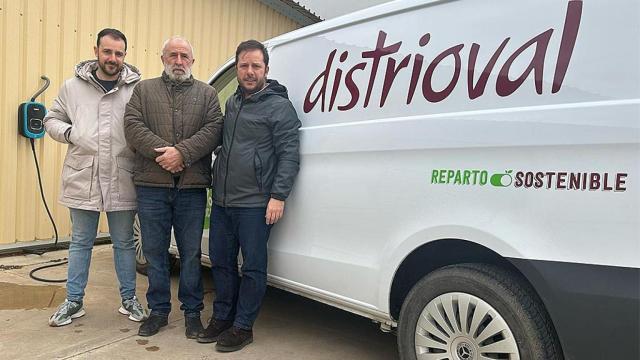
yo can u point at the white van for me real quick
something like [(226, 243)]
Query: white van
[(469, 175)]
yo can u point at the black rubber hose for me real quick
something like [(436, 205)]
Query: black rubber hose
[(32, 272), (55, 228), (44, 200)]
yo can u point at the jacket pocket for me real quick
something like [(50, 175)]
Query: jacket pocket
[(126, 189), (257, 166), (140, 164), (77, 176)]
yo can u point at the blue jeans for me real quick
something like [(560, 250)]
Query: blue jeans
[(84, 227), (158, 210), (231, 230)]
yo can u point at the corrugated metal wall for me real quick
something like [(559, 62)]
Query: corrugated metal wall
[(48, 37)]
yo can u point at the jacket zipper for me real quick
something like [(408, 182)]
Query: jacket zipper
[(173, 126), (233, 136), (259, 174)]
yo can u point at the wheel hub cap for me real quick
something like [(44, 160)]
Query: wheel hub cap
[(465, 351), (460, 326)]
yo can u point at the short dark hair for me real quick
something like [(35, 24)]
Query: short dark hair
[(114, 33), (252, 45)]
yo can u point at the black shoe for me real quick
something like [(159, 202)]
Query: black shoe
[(215, 328), (234, 339), (152, 325), (194, 327)]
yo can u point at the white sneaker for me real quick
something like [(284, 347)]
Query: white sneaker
[(134, 309), (66, 311)]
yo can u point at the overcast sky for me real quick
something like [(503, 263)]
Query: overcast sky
[(328, 9)]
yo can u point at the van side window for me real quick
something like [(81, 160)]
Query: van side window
[(226, 84)]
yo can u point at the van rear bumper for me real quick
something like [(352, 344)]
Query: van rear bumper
[(595, 309)]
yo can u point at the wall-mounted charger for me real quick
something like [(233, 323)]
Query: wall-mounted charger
[(30, 119), (31, 125)]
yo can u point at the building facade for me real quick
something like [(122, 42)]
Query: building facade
[(48, 37)]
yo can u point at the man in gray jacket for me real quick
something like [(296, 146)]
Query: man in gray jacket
[(97, 174), (253, 176), (173, 122)]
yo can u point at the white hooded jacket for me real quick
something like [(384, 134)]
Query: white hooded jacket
[(98, 168)]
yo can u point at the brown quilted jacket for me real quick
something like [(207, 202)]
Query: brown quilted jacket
[(186, 115)]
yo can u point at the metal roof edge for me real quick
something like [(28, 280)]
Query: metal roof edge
[(293, 11)]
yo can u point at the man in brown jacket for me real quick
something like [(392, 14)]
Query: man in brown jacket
[(173, 122)]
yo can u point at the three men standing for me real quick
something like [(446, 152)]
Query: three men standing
[(174, 123), (253, 176), (88, 115)]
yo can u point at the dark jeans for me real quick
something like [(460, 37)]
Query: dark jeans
[(159, 209), (231, 229)]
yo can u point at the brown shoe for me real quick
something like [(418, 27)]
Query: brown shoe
[(234, 339), (215, 328)]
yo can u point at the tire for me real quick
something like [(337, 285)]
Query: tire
[(141, 261), (504, 317)]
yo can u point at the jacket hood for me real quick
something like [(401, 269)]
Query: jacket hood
[(129, 73), (263, 129), (273, 88)]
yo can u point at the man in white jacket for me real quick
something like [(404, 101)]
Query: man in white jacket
[(97, 174)]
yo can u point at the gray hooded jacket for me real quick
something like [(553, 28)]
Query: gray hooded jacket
[(260, 156)]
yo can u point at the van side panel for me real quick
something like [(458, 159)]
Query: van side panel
[(513, 125), (595, 309)]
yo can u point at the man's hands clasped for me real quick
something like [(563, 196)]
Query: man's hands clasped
[(171, 159)]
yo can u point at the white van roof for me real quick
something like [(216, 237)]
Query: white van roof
[(373, 12), (382, 10)]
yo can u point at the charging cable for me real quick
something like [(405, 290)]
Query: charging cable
[(55, 228)]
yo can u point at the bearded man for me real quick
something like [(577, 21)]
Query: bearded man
[(87, 115), (261, 128), (173, 122)]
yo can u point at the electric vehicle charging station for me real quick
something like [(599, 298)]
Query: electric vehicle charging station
[(31, 126), (31, 115)]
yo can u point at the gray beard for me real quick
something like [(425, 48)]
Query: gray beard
[(174, 77), (178, 78)]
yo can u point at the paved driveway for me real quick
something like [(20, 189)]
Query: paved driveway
[(289, 326)]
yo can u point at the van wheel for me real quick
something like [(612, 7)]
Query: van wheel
[(472, 312), (141, 261)]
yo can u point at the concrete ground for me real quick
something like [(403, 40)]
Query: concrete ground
[(289, 326)]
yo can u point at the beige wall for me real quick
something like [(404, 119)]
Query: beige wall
[(48, 37)]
